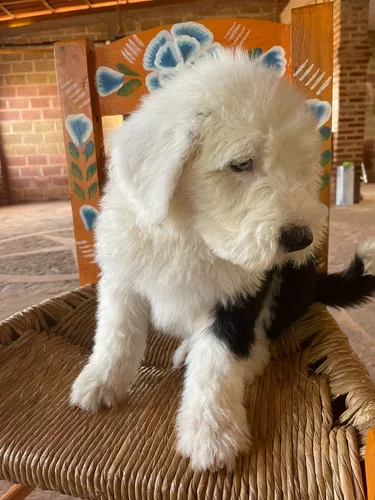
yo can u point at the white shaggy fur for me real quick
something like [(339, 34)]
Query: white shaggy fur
[(180, 232)]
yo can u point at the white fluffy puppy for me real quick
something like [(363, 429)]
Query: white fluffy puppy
[(213, 184)]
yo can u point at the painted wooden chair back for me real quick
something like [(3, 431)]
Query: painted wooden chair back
[(111, 80)]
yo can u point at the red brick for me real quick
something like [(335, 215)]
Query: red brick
[(38, 160), (52, 171), (21, 182), (27, 91), (62, 180), (48, 90), (51, 114), (33, 194), (59, 159), (7, 92), (40, 102), (18, 103), (55, 102), (3, 103), (33, 56), (13, 172), (9, 115), (11, 57), (16, 161), (32, 114), (30, 171)]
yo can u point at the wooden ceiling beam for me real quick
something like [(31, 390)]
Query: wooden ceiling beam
[(4, 9), (45, 2), (28, 18)]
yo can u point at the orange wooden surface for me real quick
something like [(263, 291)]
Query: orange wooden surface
[(17, 492), (83, 137), (312, 70), (129, 51), (370, 464)]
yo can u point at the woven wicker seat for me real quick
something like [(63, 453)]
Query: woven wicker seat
[(304, 445)]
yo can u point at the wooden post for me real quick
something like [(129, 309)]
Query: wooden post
[(370, 464), (83, 135), (312, 71)]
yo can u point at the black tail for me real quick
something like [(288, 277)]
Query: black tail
[(346, 289)]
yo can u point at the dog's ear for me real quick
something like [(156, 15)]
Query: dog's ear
[(147, 154)]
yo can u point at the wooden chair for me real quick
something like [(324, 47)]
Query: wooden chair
[(311, 410)]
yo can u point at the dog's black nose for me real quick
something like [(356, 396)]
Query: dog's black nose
[(293, 238)]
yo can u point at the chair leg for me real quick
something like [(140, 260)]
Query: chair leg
[(17, 492), (370, 464)]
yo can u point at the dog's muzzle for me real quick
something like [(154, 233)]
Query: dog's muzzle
[(294, 238)]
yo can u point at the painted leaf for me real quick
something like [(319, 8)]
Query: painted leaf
[(76, 171), (93, 190), (89, 149), (129, 87), (125, 70), (78, 191), (73, 150), (324, 181), (325, 132), (91, 170), (325, 157)]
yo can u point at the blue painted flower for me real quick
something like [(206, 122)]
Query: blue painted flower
[(321, 110), (169, 50), (108, 80), (88, 215), (275, 58), (79, 128)]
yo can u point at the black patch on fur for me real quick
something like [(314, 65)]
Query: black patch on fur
[(302, 286), (346, 289), (297, 293), (234, 323)]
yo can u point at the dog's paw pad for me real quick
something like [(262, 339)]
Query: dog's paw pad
[(366, 251)]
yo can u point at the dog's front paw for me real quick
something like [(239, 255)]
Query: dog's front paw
[(212, 444), (93, 390)]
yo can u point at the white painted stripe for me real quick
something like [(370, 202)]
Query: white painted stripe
[(317, 81), (300, 68), (66, 83), (312, 78), (324, 86), (306, 72)]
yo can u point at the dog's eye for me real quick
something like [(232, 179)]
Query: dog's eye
[(242, 167)]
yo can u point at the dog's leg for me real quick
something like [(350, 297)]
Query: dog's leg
[(119, 347), (212, 422)]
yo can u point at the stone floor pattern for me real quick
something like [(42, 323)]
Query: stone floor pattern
[(38, 260)]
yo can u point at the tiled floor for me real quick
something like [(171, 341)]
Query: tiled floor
[(37, 260)]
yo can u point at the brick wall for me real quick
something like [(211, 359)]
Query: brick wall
[(31, 119), (369, 145), (29, 106), (351, 56)]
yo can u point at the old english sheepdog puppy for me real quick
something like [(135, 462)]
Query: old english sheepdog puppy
[(208, 228)]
